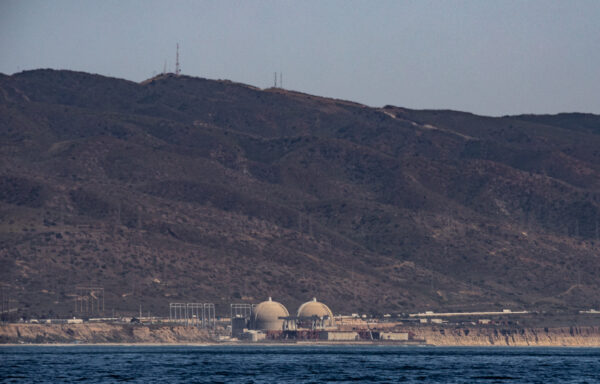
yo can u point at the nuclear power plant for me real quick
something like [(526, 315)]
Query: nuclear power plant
[(270, 320), (268, 316)]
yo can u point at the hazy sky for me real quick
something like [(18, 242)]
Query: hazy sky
[(488, 57)]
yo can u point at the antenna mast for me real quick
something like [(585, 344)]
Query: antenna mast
[(274, 79), (177, 69), (281, 80)]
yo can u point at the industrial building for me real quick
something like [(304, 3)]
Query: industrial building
[(314, 320), (267, 316), (315, 310)]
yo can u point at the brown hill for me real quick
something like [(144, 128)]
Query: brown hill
[(185, 189)]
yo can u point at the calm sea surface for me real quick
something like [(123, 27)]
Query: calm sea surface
[(293, 364)]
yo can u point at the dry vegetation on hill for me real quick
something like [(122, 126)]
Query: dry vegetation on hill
[(186, 189)]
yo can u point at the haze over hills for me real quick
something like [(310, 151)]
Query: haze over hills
[(185, 189)]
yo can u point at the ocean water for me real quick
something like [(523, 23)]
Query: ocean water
[(297, 364)]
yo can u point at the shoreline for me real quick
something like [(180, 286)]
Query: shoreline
[(291, 345), (224, 344), (175, 335)]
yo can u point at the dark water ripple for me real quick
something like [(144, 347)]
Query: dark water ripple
[(273, 364)]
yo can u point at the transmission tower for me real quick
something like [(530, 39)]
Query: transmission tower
[(177, 69)]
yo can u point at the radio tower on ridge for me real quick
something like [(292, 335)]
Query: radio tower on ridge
[(177, 69)]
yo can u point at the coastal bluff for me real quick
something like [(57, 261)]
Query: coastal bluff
[(517, 337), (588, 336), (100, 333)]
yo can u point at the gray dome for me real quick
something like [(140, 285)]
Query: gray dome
[(315, 308), (265, 316)]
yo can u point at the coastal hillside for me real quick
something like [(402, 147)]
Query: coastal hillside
[(182, 189)]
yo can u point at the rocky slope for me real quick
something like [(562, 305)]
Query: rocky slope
[(183, 189)]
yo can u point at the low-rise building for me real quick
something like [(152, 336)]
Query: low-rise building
[(338, 336), (394, 336), (253, 335)]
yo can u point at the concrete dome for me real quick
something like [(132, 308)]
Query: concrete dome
[(315, 308), (265, 316)]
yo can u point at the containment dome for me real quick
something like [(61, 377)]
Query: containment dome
[(265, 316), (318, 309)]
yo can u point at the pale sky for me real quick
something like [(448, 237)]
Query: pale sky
[(483, 56)]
